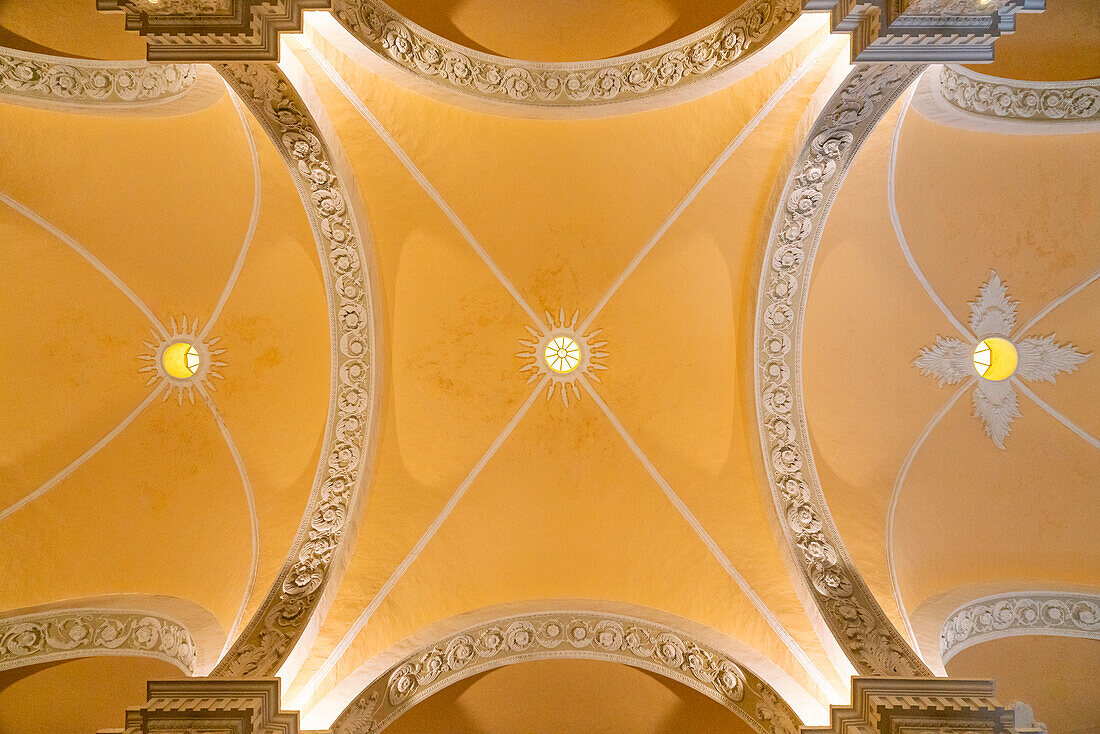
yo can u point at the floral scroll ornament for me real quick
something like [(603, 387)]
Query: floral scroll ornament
[(1040, 358)]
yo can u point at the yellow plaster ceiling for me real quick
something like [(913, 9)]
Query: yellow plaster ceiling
[(67, 28), (573, 30), (563, 509), (163, 204), (1056, 676), (569, 697), (968, 513)]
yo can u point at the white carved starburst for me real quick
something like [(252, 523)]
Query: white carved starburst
[(205, 366), (562, 356), (1040, 358)]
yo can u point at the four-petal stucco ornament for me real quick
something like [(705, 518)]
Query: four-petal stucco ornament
[(993, 317)]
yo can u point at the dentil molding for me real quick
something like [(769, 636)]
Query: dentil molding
[(280, 620), (868, 638), (544, 636), (50, 636), (81, 83), (212, 707), (1009, 99), (1022, 613)]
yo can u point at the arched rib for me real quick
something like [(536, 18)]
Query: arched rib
[(1056, 303), (56, 478), (253, 218), (89, 257), (903, 471), (891, 171), (1085, 435), (252, 519)]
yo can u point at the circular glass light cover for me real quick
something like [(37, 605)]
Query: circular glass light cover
[(562, 354), (180, 360), (995, 359)]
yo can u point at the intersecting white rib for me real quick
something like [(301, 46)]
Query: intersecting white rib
[(92, 260), (56, 478), (721, 557), (253, 520), (896, 495), (896, 221), (353, 98), (338, 651), (1056, 303), (253, 218), (689, 197), (1085, 435)]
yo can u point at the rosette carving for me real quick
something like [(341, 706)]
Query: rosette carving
[(857, 621), (402, 42), (564, 635), (63, 634), (1008, 99), (82, 82), (1031, 613), (267, 640)]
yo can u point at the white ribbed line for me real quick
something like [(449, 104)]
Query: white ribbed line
[(420, 178), (705, 179), (1085, 435), (56, 478), (896, 495), (92, 260), (896, 221), (253, 520), (253, 218), (711, 545), (303, 697), (1056, 303)]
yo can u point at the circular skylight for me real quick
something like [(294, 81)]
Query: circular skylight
[(562, 354), (995, 359)]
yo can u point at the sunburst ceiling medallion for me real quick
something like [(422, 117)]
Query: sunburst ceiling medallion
[(562, 356), (184, 360)]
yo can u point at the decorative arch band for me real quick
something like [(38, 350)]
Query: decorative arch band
[(567, 634)]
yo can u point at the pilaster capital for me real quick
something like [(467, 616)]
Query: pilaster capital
[(211, 706)]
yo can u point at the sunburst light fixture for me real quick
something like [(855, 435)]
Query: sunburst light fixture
[(562, 355), (182, 360)]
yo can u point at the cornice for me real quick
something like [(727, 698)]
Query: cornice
[(703, 54), (1009, 99), (53, 80), (54, 635), (281, 619), (1020, 613), (567, 634), (854, 616)]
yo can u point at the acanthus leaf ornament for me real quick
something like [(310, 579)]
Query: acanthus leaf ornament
[(993, 314)]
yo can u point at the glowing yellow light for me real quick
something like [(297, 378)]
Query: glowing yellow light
[(995, 358), (563, 354), (181, 360)]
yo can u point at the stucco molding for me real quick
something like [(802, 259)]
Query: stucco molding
[(1020, 613), (64, 634), (212, 706), (284, 614), (567, 634), (853, 615), (90, 83), (1009, 99), (672, 66)]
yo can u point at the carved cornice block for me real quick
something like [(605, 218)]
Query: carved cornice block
[(919, 706), (213, 30), (925, 31), (212, 706)]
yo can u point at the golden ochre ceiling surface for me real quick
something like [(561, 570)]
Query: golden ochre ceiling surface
[(371, 465)]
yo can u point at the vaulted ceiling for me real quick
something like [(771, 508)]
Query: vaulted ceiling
[(483, 485)]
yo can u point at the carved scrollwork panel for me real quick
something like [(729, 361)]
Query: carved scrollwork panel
[(1007, 99), (74, 633), (397, 39), (859, 624), (267, 640), (1027, 613), (563, 635)]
